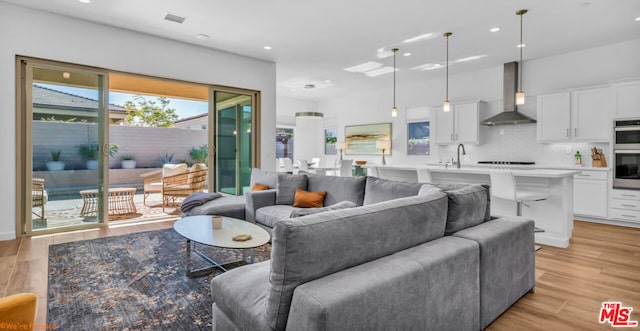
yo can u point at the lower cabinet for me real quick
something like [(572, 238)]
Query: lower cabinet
[(625, 205), (590, 193)]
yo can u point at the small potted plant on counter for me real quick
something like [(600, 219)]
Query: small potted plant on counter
[(128, 161), (55, 164)]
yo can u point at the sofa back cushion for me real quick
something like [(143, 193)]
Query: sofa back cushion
[(378, 190), (469, 205), (286, 187), (264, 177), (311, 247), (338, 188)]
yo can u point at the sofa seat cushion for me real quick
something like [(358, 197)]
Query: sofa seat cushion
[(378, 190), (298, 212), (338, 188), (271, 215), (286, 188), (311, 247), (241, 295), (230, 206)]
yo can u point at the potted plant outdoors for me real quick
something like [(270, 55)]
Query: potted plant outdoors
[(128, 161), (89, 153), (55, 164), (199, 154), (166, 158)]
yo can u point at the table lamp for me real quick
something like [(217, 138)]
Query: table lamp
[(341, 145), (384, 145)]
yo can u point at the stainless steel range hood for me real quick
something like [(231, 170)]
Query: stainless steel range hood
[(510, 115)]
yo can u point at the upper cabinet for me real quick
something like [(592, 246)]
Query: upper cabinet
[(627, 98), (581, 115), (460, 125)]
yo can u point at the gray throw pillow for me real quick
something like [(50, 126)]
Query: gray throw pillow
[(263, 177), (298, 212), (467, 208), (286, 187)]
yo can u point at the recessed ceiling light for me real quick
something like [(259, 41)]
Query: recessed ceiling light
[(407, 54), (85, 1), (66, 75), (364, 67), (202, 36), (327, 81), (496, 29), (309, 86), (638, 19), (522, 45), (420, 37), (293, 90), (381, 71), (267, 47)]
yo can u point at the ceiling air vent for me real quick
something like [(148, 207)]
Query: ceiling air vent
[(174, 18)]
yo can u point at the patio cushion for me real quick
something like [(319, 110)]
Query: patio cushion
[(195, 167), (153, 187), (174, 169)]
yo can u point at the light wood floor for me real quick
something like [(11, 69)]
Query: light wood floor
[(602, 263)]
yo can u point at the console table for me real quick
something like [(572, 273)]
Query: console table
[(120, 201)]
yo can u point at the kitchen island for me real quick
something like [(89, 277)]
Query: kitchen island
[(554, 215)]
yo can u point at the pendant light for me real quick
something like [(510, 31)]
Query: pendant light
[(446, 105), (520, 94), (394, 110)]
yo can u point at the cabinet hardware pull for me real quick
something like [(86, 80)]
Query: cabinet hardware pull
[(452, 137), (456, 136), (582, 175), (634, 216), (567, 132), (575, 132), (629, 195), (632, 206)]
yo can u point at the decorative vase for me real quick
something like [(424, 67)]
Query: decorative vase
[(128, 164), (92, 164), (55, 165)]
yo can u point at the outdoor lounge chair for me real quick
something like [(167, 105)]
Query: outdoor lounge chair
[(174, 181), (39, 198)]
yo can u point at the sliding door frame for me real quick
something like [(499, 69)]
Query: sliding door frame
[(24, 150)]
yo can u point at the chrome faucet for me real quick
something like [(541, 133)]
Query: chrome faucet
[(463, 153)]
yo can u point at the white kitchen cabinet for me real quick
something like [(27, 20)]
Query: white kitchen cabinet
[(581, 115), (590, 193), (627, 99), (554, 117), (460, 125), (625, 205)]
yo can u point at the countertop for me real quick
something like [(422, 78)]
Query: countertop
[(526, 166), (469, 169)]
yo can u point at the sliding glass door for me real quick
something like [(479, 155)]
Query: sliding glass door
[(64, 158), (234, 140)]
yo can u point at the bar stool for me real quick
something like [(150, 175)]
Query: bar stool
[(503, 186)]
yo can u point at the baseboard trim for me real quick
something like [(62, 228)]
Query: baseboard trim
[(7, 236), (607, 221)]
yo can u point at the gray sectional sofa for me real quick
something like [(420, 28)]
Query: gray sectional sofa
[(408, 256)]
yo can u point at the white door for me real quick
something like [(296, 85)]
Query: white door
[(554, 117), (466, 123), (590, 115)]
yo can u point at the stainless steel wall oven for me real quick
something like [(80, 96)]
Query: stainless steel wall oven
[(626, 154)]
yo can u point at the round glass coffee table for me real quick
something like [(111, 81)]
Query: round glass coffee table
[(199, 230)]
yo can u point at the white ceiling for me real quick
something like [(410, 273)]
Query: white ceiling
[(313, 41)]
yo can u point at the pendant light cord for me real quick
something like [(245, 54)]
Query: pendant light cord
[(395, 50), (521, 47), (447, 70)]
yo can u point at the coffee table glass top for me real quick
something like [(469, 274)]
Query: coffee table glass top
[(200, 229)]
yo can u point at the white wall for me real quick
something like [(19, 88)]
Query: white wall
[(43, 35), (589, 67)]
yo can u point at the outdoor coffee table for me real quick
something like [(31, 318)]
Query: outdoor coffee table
[(120, 201), (199, 229)]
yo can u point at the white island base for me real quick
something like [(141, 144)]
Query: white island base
[(554, 215)]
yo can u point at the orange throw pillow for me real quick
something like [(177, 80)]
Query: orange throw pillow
[(309, 199), (259, 187)]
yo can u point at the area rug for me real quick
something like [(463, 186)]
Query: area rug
[(132, 282)]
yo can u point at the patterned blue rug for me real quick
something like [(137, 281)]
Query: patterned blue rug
[(131, 282)]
